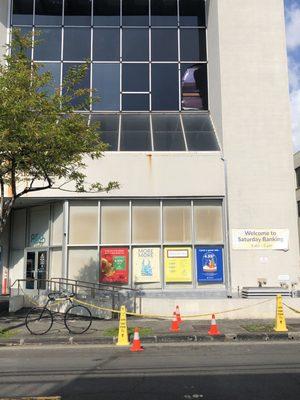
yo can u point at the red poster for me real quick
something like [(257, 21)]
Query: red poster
[(114, 265)]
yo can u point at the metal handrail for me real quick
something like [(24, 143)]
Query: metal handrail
[(97, 284)]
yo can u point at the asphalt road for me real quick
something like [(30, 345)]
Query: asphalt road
[(219, 371)]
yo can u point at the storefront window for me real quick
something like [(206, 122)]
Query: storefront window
[(57, 225), (145, 222), (83, 264), (114, 223), (83, 223), (39, 226), (177, 222), (208, 222)]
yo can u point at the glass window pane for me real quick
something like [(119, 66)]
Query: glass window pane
[(192, 12), (164, 45), (135, 77), (79, 102), (106, 44), (167, 133), (78, 12), (47, 44), (107, 12), (165, 87), (83, 223), (55, 270), (24, 31), (194, 95), (135, 102), (39, 226), (48, 12), (114, 223), (135, 44), (193, 44), (109, 129), (54, 69), (106, 83), (77, 44), (164, 12), (83, 264), (19, 229), (135, 12), (57, 224), (135, 133), (145, 222), (208, 222), (22, 12), (199, 133), (177, 222)]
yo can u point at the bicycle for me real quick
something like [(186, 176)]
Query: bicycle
[(77, 318)]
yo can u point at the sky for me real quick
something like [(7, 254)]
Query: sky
[(292, 16)]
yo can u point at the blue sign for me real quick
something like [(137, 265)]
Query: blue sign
[(209, 264)]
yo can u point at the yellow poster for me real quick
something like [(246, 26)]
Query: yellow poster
[(178, 264), (146, 261)]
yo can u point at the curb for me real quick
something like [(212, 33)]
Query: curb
[(155, 339)]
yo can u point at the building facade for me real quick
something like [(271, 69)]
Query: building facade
[(193, 101)]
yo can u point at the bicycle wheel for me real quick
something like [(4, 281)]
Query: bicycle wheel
[(39, 321), (78, 319)]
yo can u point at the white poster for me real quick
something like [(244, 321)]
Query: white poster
[(260, 239), (146, 261)]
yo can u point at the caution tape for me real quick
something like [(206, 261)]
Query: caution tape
[(155, 316), (291, 308)]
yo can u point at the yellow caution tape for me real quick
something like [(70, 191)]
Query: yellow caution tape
[(291, 308)]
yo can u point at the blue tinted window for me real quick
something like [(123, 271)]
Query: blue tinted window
[(106, 83), (48, 12), (79, 102), (194, 94), (135, 12), (54, 69), (47, 45), (192, 12), (135, 102), (164, 87), (77, 44), (78, 12), (106, 44), (22, 12), (109, 129), (193, 44), (135, 133), (199, 133), (164, 12), (167, 133), (107, 12), (135, 77), (135, 44), (164, 44)]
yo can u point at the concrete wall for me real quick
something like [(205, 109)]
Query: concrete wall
[(257, 133), (4, 7)]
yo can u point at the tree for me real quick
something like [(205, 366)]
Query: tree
[(42, 138)]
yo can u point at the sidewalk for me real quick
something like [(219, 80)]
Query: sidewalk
[(13, 331)]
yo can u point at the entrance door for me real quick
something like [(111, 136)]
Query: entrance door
[(36, 268)]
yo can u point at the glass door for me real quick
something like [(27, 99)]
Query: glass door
[(36, 269)]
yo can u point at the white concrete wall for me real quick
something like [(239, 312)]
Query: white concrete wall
[(257, 133), (4, 7)]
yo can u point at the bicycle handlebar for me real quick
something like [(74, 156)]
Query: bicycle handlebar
[(60, 295)]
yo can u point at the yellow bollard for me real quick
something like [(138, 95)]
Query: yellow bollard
[(280, 325), (123, 333)]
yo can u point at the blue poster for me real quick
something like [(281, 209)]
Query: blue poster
[(209, 264)]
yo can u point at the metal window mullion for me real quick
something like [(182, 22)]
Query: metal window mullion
[(120, 129), (151, 132), (99, 229), (130, 274), (162, 270), (91, 65), (65, 266), (194, 263), (33, 13), (183, 132)]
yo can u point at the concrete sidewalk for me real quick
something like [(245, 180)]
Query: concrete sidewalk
[(14, 332)]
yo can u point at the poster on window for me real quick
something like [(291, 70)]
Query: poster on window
[(146, 261), (178, 264), (114, 265), (209, 264)]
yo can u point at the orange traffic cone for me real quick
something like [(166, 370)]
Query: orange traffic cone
[(136, 344), (214, 331), (178, 316), (175, 324)]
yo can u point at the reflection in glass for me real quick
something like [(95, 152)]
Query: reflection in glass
[(106, 44), (106, 82), (107, 12), (22, 12), (167, 133), (109, 129), (164, 87), (193, 44), (199, 133), (164, 44), (77, 44), (54, 69), (135, 133), (194, 87), (135, 77), (78, 12), (83, 84), (192, 12), (48, 12), (135, 102), (164, 12), (135, 44), (47, 45), (135, 12)]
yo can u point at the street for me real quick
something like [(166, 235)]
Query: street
[(202, 371)]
